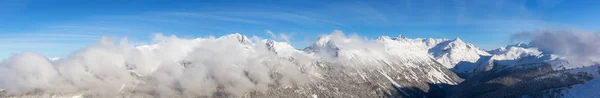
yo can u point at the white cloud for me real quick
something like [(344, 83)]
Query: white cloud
[(279, 36), (198, 67), (284, 37), (575, 45), (273, 36)]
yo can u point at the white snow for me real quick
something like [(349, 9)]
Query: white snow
[(394, 83), (590, 89)]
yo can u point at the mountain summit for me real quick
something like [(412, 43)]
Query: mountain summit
[(452, 52)]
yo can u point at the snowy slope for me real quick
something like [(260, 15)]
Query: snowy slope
[(586, 90), (374, 53), (400, 61)]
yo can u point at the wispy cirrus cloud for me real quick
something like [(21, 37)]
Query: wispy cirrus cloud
[(456, 18), (215, 17), (40, 41), (280, 36)]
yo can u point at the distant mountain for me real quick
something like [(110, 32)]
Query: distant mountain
[(522, 70)]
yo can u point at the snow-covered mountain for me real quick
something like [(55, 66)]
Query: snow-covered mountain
[(233, 65), (335, 65), (452, 52), (523, 70), (506, 56), (522, 53), (354, 64)]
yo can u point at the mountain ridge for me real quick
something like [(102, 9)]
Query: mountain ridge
[(336, 65)]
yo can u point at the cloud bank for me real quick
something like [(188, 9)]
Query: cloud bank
[(574, 45), (170, 67), (229, 65), (233, 64)]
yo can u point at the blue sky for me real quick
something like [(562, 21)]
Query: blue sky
[(58, 27)]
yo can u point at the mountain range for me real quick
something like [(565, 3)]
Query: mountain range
[(335, 65)]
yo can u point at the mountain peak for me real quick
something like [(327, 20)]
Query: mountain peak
[(282, 48), (237, 36), (384, 38), (458, 40), (323, 40), (520, 44), (452, 52), (270, 43), (456, 43)]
